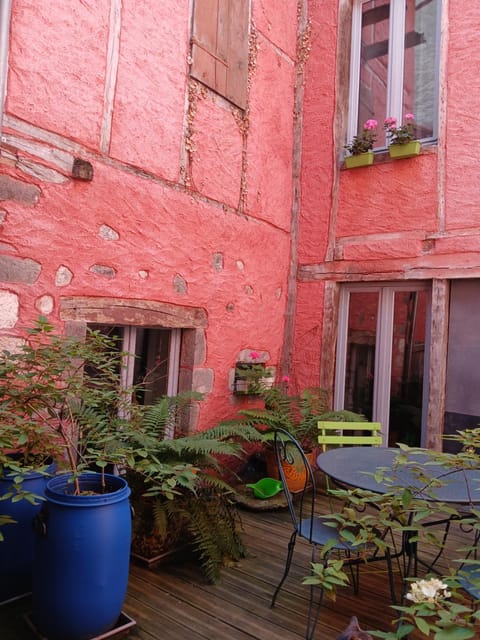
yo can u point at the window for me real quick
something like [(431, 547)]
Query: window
[(152, 361), (394, 64), (165, 340), (382, 352), (220, 47)]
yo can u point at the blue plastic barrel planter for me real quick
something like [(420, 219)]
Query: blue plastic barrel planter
[(16, 550), (82, 552)]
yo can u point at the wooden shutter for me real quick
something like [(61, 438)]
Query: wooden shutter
[(220, 47)]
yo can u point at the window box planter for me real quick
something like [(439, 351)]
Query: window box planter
[(408, 150), (359, 160)]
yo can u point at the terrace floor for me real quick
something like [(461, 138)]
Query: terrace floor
[(173, 602)]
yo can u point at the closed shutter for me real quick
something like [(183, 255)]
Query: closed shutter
[(220, 47)]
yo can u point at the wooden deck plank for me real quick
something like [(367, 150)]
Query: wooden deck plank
[(173, 602)]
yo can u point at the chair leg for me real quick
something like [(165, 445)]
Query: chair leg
[(288, 562), (314, 607), (391, 577), (355, 573)]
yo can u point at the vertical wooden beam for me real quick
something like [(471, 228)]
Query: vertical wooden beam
[(302, 28), (329, 337), (111, 66), (437, 369)]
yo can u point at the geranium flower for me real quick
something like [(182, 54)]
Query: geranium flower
[(400, 134), (365, 140)]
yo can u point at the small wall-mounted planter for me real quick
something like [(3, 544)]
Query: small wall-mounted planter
[(251, 378), (408, 150), (360, 160)]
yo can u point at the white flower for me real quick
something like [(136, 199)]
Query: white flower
[(431, 590)]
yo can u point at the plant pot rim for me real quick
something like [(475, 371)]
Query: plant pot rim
[(60, 490)]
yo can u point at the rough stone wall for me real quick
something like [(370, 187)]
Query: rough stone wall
[(121, 178)]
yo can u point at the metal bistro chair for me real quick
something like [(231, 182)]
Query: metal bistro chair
[(313, 527), (469, 578), (331, 433)]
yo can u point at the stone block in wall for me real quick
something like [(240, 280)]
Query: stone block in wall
[(11, 189), (13, 269), (202, 380), (8, 309)]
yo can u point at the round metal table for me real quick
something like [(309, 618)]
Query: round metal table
[(356, 466)]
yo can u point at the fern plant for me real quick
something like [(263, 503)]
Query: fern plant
[(177, 487), (298, 414)]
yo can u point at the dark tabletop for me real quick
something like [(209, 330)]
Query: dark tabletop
[(355, 466)]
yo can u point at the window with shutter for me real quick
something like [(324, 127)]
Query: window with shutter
[(220, 38)]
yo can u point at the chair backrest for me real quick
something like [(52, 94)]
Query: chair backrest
[(292, 463), (331, 433)]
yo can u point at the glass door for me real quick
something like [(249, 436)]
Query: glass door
[(381, 357)]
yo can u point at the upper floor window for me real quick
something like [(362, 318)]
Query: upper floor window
[(220, 35), (394, 64)]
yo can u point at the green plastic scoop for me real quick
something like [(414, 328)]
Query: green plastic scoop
[(266, 488)]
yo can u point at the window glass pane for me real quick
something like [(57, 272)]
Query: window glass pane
[(374, 64), (420, 65), (151, 363), (360, 363), (408, 351), (148, 367)]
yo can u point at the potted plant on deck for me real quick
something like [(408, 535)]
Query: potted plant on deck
[(402, 138), (57, 405), (299, 415), (25, 466), (197, 508), (361, 148)]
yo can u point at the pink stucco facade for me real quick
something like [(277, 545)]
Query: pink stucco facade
[(246, 217)]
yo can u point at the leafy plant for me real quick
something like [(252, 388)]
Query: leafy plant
[(437, 607), (53, 407), (401, 134), (194, 503), (298, 414), (251, 377), (365, 140)]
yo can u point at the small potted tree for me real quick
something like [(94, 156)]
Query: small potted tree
[(58, 408)]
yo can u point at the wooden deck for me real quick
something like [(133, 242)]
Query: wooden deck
[(173, 602)]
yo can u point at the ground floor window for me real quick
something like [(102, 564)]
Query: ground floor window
[(381, 361), (152, 360), (165, 342)]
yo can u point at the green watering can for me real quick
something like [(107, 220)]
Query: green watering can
[(266, 488)]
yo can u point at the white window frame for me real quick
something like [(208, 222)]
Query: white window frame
[(395, 71), (128, 346)]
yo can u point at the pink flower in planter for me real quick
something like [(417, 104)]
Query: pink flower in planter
[(286, 379), (254, 355)]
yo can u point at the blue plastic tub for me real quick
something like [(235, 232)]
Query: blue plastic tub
[(16, 550), (82, 553)]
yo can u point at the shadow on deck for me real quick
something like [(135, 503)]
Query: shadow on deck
[(173, 602)]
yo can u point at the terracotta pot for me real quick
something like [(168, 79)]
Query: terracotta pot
[(294, 473)]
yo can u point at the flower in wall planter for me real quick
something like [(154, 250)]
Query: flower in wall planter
[(253, 376), (402, 140), (360, 149)]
